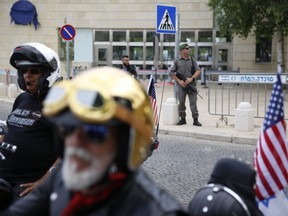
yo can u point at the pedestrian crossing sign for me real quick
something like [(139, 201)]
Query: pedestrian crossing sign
[(166, 19)]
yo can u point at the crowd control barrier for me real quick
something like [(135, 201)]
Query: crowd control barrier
[(8, 77), (227, 90), (159, 75)]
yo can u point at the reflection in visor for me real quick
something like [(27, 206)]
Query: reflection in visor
[(89, 99)]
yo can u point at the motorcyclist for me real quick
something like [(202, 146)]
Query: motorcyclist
[(38, 68), (230, 191), (105, 118)]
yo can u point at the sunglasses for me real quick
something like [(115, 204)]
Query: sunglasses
[(94, 133), (187, 48), (31, 70)]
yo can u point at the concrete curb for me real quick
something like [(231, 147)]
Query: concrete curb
[(221, 137)]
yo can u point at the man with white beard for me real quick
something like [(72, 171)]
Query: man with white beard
[(106, 121)]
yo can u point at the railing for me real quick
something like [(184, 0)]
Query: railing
[(158, 75), (212, 75), (8, 77), (142, 74), (225, 94)]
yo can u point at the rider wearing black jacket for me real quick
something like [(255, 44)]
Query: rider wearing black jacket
[(38, 68), (139, 196)]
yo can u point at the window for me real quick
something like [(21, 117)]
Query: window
[(150, 36), (204, 53), (102, 54), (101, 36), (187, 36), (222, 38), (136, 53), (119, 36), (222, 68), (136, 36), (139, 67), (116, 65), (150, 67), (168, 53), (169, 38), (192, 51), (263, 49), (149, 54), (205, 36), (222, 55), (118, 52)]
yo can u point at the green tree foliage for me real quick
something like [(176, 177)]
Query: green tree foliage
[(265, 18), (258, 17)]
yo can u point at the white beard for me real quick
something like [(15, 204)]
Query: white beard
[(80, 180)]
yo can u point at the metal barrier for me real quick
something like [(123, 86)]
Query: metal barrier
[(225, 94), (8, 77), (78, 70), (158, 75), (207, 75), (142, 74)]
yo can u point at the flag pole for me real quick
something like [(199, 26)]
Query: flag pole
[(161, 101), (149, 83)]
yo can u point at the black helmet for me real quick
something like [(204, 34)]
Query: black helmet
[(231, 185), (36, 55), (217, 200), (239, 177)]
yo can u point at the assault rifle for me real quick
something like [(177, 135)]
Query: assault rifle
[(181, 77)]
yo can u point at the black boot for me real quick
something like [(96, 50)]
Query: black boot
[(182, 121), (196, 122)]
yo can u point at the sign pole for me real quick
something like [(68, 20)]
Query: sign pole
[(67, 59), (176, 51), (156, 55), (68, 33), (67, 56)]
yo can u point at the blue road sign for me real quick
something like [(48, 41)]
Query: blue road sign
[(166, 19), (68, 32)]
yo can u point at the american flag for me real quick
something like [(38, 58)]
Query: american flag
[(271, 156), (151, 92)]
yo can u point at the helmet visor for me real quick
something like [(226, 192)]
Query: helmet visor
[(20, 64), (93, 106), (71, 103)]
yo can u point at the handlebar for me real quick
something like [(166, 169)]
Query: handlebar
[(7, 146)]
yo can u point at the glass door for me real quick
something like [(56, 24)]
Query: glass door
[(223, 58), (102, 55)]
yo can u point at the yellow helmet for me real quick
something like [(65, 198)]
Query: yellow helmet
[(99, 96)]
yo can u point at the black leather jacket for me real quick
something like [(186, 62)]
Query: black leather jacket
[(131, 69), (140, 196)]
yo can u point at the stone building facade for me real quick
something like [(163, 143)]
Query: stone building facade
[(107, 29)]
